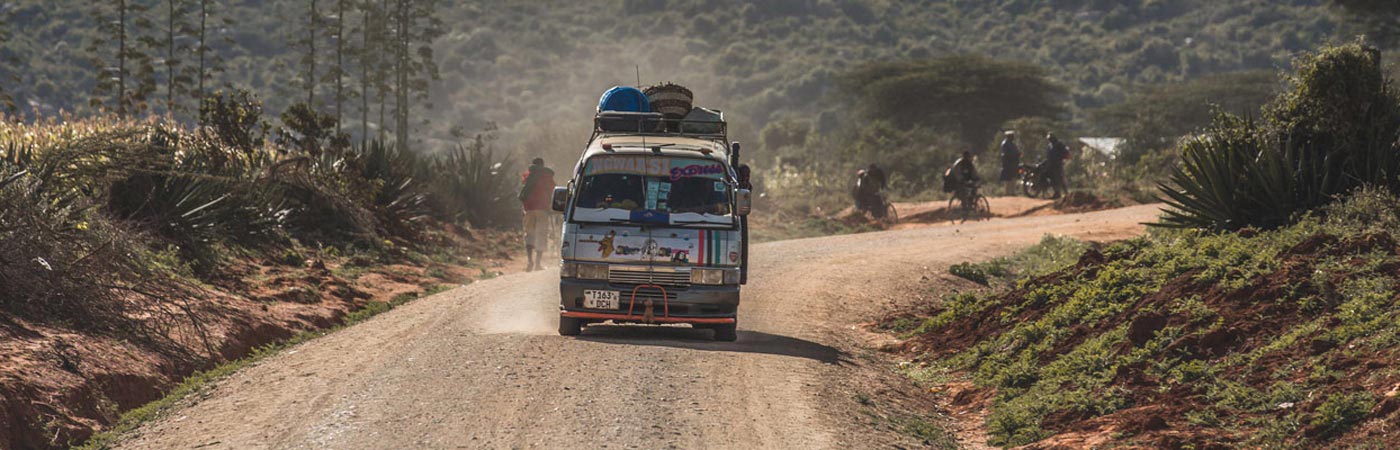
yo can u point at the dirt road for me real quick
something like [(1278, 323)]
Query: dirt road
[(481, 367)]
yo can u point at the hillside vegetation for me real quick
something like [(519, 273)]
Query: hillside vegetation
[(1263, 314), (135, 252), (1188, 339), (526, 65)]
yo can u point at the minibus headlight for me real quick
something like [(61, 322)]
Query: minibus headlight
[(706, 276)]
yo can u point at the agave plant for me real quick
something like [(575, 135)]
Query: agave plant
[(400, 198), (196, 194), (471, 185)]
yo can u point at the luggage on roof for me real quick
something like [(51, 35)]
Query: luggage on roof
[(670, 99), (625, 99), (703, 121)]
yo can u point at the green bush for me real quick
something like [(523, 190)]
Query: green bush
[(969, 271), (1052, 253), (1340, 411), (1333, 133)]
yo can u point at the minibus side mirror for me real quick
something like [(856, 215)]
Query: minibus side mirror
[(743, 200), (560, 199)]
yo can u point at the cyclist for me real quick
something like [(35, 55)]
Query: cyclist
[(870, 183), (965, 175)]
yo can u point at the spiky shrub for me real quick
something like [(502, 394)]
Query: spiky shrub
[(61, 261), (1333, 133), (471, 185), (187, 190), (398, 187)]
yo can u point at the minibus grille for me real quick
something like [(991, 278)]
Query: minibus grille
[(671, 279)]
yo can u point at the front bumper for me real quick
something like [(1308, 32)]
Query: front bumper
[(691, 304)]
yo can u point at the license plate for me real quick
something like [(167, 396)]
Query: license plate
[(600, 299)]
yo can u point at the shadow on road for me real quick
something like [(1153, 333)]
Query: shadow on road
[(699, 339)]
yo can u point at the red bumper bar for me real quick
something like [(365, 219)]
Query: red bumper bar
[(638, 318)]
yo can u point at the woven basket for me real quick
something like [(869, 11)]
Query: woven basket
[(672, 100)]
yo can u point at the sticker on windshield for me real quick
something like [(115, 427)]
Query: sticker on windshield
[(719, 186), (697, 170), (653, 187), (639, 165)]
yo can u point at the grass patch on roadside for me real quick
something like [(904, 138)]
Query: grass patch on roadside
[(933, 435), (1275, 338), (1051, 254), (202, 380)]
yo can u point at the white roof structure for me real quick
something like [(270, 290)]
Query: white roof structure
[(1108, 146)]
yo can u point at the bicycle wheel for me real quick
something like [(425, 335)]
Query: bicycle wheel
[(954, 210), (891, 215), (984, 207)]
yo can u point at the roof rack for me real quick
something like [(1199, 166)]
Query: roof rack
[(656, 124)]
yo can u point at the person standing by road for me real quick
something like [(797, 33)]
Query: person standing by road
[(1010, 162), (1056, 154), (535, 197)]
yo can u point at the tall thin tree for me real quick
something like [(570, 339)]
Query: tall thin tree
[(202, 50), (339, 70), (363, 56), (402, 63), (210, 62), (314, 21), (416, 26), (177, 74), (125, 76), (367, 58)]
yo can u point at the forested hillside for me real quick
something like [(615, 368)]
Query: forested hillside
[(524, 64)]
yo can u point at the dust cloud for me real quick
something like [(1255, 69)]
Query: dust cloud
[(526, 303)]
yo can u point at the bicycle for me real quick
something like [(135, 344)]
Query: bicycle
[(891, 214), (884, 212), (968, 202)]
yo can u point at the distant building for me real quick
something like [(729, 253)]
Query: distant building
[(1106, 146)]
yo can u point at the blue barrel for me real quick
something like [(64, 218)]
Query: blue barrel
[(624, 98)]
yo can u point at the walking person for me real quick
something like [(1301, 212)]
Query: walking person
[(1010, 162), (535, 197), (1056, 154)]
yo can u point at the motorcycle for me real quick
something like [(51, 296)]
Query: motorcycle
[(1035, 181)]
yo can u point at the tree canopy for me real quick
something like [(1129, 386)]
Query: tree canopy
[(1155, 117), (969, 96)]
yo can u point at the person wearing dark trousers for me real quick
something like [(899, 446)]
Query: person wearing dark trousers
[(1056, 154), (1010, 162)]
